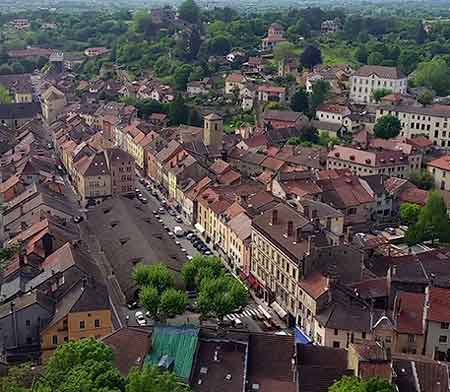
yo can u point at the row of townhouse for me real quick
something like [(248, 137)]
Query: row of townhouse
[(95, 172), (50, 290), (431, 121)]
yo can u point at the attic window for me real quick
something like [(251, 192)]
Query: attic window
[(336, 154), (392, 159), (352, 157), (368, 160), (124, 240)]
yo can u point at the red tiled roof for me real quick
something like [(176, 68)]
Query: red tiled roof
[(235, 78), (229, 178), (439, 309), (333, 108), (219, 166), (414, 195), (314, 284), (271, 89), (408, 310), (442, 163)]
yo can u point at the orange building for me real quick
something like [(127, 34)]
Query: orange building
[(84, 312)]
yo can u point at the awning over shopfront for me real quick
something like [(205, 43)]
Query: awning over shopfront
[(301, 337), (278, 309), (199, 228)]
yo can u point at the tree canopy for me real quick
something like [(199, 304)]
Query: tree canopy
[(387, 127), (311, 56), (354, 384), (433, 222)]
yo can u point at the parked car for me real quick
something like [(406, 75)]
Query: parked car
[(161, 211), (189, 236), (143, 200), (78, 219), (132, 305), (178, 219), (171, 212), (140, 318)]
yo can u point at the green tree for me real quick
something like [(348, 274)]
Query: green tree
[(17, 378), (387, 127), (178, 111), (361, 54), (422, 179), (201, 267), (380, 93), (433, 222), (173, 302), (354, 384), (408, 60), (189, 11), (4, 95), (299, 101), (409, 213), (82, 365), (150, 299), (283, 50), (152, 379), (421, 35), (143, 23), (320, 90), (221, 296), (146, 107), (219, 45), (375, 58), (310, 134), (434, 74), (311, 56), (182, 74), (155, 275), (425, 97)]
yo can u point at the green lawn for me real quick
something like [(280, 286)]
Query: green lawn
[(338, 55)]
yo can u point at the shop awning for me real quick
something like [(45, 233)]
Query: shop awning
[(301, 337), (199, 228), (278, 309)]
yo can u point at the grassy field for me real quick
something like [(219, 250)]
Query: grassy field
[(338, 55)]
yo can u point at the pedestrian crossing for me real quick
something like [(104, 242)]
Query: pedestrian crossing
[(249, 311)]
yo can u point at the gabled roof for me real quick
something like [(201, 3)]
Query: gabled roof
[(380, 71), (130, 345), (408, 312), (438, 300)]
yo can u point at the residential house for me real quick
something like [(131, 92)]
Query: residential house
[(274, 36), (234, 82), (370, 78), (92, 177), (14, 115), (347, 194), (439, 168), (437, 321), (396, 163), (84, 312), (95, 52), (431, 121), (408, 318), (28, 207), (199, 87), (283, 119), (53, 102), (268, 93), (288, 66), (10, 188), (332, 113), (19, 86), (21, 321), (123, 171)]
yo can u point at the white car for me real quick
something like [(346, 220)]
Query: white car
[(140, 318)]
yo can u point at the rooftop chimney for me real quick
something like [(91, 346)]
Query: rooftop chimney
[(298, 236), (274, 217), (290, 228), (306, 211)]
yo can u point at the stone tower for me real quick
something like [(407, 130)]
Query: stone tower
[(213, 130)]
